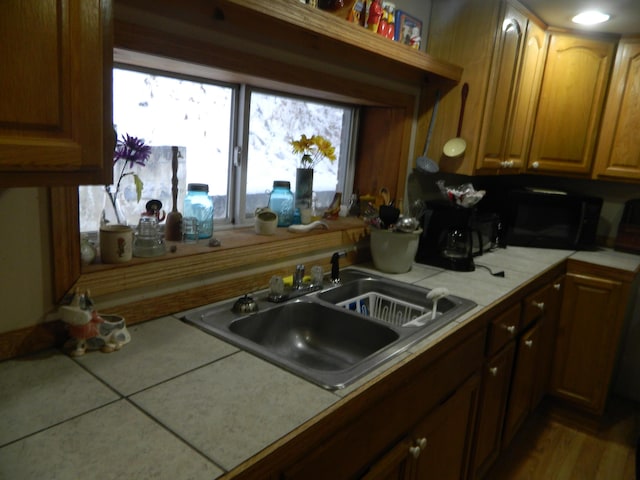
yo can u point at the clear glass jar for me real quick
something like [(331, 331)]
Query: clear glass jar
[(281, 202), (199, 204)]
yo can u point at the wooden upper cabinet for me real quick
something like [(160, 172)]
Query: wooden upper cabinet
[(526, 98), (56, 92), (513, 96), (502, 49), (571, 98), (618, 154)]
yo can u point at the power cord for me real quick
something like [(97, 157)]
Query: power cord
[(495, 274)]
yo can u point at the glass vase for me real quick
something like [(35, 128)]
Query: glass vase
[(112, 212), (304, 188)]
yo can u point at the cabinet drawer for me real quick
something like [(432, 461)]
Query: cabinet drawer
[(534, 306), (354, 447), (503, 328)]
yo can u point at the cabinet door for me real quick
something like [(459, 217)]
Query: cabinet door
[(503, 86), (548, 327), (444, 436), (618, 154), (570, 105), (522, 385), (395, 465), (588, 334), (56, 92), (496, 379), (526, 99)]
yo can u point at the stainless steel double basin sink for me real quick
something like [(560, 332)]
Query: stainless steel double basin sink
[(336, 335)]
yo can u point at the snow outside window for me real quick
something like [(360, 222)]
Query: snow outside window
[(201, 117)]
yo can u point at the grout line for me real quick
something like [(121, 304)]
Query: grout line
[(176, 434), (73, 417)]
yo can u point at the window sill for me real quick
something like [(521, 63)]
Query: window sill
[(197, 274)]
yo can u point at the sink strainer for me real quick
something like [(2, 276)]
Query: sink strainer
[(388, 309)]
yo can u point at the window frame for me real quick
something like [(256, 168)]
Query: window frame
[(238, 165), (347, 161)]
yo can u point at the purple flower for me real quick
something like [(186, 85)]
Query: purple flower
[(132, 150)]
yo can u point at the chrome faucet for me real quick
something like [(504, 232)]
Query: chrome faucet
[(298, 287), (298, 278)]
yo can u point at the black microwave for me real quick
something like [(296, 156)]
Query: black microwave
[(552, 219)]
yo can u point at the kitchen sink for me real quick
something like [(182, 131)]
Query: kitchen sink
[(322, 337), (314, 336)]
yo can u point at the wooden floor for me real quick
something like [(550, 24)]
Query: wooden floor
[(547, 448)]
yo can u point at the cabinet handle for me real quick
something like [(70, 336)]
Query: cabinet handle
[(493, 371), (556, 286), (535, 165), (506, 164), (415, 451), (528, 343), (510, 328), (539, 305)]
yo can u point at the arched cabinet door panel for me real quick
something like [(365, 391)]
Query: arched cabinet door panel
[(572, 95), (55, 114), (618, 155)]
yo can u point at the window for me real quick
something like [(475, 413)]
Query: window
[(233, 137)]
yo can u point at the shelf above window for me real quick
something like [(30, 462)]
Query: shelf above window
[(298, 29)]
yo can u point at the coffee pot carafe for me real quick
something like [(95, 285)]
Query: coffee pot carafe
[(447, 240), (456, 243)]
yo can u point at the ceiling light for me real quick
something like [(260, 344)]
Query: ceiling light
[(592, 17)]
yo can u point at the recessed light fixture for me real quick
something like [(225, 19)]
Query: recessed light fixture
[(591, 17)]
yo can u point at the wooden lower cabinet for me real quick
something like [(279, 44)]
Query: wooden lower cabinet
[(516, 374), (439, 446), (382, 438), (592, 316), (496, 379), (445, 436), (522, 385), (395, 465)]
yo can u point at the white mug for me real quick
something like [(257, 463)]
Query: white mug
[(266, 221), (116, 243)]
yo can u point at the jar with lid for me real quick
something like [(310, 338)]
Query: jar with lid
[(281, 202), (199, 204)]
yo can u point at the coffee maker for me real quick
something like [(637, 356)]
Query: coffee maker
[(448, 238)]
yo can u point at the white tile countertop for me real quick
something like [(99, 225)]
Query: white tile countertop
[(179, 403)]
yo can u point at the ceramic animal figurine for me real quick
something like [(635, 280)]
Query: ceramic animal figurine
[(90, 330)]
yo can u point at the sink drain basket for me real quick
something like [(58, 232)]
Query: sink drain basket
[(387, 309)]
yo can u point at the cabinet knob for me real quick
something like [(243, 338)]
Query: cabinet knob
[(493, 371), (415, 451), (535, 165), (510, 328), (528, 343), (539, 305), (506, 164), (556, 286), (422, 443)]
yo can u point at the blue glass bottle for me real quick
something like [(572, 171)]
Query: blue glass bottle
[(199, 204), (281, 202)]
